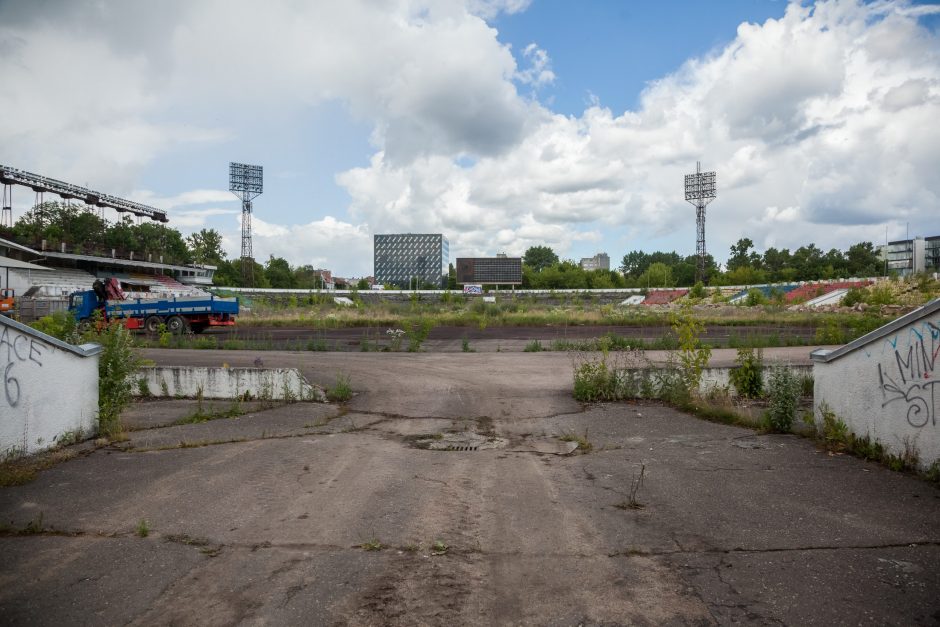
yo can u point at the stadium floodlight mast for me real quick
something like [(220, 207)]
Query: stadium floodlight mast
[(246, 182), (700, 189)]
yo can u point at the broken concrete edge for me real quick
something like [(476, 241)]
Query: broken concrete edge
[(223, 382), (823, 355), (83, 350)]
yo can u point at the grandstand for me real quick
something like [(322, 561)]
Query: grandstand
[(809, 291), (769, 291), (664, 297), (54, 282)]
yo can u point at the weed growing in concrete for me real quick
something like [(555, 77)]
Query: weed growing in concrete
[(584, 445), (143, 528), (783, 393), (693, 356), (747, 378), (201, 415), (635, 485), (534, 346), (341, 391), (418, 331), (465, 345), (439, 548), (143, 390), (372, 545), (395, 336)]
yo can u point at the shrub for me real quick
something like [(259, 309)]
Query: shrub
[(755, 297), (697, 291), (417, 331), (853, 297), (783, 393), (692, 356), (60, 325), (747, 378), (117, 362), (594, 381)]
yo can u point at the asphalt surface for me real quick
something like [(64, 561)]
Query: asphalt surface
[(267, 518)]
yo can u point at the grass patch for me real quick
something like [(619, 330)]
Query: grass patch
[(372, 545), (584, 445), (143, 528), (341, 391), (203, 415), (23, 470)]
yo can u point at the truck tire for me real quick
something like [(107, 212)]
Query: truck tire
[(177, 325), (152, 324)]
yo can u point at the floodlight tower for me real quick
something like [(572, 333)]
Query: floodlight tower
[(700, 189), (246, 182)]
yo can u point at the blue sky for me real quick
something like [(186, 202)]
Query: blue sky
[(501, 123)]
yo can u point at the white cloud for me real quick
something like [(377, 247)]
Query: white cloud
[(328, 243), (192, 197), (821, 125)]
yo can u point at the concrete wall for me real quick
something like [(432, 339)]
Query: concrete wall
[(270, 383), (48, 389), (886, 385)]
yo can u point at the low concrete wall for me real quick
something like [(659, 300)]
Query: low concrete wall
[(886, 385), (48, 389), (721, 377), (263, 383)]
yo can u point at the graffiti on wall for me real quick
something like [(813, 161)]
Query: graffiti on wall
[(907, 373), (18, 353)]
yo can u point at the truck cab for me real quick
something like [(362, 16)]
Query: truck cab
[(83, 304), (7, 301)]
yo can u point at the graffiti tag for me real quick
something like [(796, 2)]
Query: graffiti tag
[(910, 375), (19, 349)]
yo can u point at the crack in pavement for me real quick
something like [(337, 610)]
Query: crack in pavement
[(183, 538)]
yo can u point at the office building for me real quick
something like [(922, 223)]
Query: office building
[(600, 261), (499, 270), (411, 260)]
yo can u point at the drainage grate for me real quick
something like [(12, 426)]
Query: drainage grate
[(463, 442)]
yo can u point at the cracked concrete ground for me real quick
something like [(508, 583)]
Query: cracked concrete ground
[(262, 518)]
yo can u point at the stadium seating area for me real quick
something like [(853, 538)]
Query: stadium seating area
[(59, 282), (767, 290), (809, 291), (663, 297), (171, 286)]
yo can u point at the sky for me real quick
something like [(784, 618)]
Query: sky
[(502, 124)]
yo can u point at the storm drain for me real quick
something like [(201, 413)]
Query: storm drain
[(465, 441)]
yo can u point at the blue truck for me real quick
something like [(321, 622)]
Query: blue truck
[(180, 315)]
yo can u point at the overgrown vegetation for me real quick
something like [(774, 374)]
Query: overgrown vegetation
[(748, 377), (783, 394), (341, 391)]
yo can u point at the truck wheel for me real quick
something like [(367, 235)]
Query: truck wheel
[(177, 325), (152, 324)]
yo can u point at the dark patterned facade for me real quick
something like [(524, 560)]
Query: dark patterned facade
[(489, 270), (411, 260)]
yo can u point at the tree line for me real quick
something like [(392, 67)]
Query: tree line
[(542, 268), (83, 231)]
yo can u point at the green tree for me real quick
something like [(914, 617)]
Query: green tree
[(539, 257), (279, 273), (862, 260), (451, 277), (205, 247), (743, 255), (362, 284), (634, 263)]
